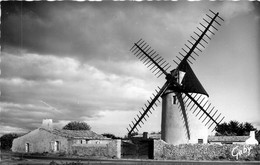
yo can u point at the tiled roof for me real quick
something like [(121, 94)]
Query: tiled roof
[(227, 138), (86, 134)]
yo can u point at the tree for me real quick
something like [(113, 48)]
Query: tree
[(234, 128), (77, 125), (7, 140), (222, 129), (247, 127), (109, 135)]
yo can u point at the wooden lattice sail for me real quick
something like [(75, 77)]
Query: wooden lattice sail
[(181, 80)]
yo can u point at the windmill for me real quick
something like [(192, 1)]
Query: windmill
[(182, 89)]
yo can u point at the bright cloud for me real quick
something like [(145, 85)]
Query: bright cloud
[(40, 83)]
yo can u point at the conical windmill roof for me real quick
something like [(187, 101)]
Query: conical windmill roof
[(190, 82)]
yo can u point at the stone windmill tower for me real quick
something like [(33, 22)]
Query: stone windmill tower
[(182, 90)]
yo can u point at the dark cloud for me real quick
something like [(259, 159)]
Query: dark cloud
[(65, 29), (87, 30)]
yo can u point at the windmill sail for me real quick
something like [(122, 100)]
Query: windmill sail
[(181, 80), (195, 104), (150, 58), (199, 38), (190, 83), (147, 109)]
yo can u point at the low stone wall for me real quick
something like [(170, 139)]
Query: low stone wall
[(110, 149), (163, 150)]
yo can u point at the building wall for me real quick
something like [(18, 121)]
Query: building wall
[(105, 148), (40, 141), (163, 150), (198, 130), (220, 143)]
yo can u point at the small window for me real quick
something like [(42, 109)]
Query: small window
[(83, 141), (200, 141), (174, 100)]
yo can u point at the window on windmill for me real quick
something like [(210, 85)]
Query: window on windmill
[(174, 100), (200, 141)]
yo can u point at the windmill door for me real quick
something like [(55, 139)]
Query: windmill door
[(137, 149)]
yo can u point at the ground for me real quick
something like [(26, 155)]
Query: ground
[(8, 158)]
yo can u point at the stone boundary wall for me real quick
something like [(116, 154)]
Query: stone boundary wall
[(234, 152), (112, 149)]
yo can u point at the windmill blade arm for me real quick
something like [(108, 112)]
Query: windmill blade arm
[(201, 36), (201, 108), (150, 57), (148, 108)]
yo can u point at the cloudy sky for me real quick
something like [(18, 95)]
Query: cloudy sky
[(71, 61)]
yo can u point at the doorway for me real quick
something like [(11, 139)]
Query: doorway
[(27, 147), (56, 146)]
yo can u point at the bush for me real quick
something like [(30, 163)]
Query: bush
[(7, 140), (77, 125)]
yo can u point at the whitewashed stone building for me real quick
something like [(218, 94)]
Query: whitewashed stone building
[(47, 139), (234, 139)]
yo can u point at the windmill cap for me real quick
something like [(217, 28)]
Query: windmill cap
[(190, 82)]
